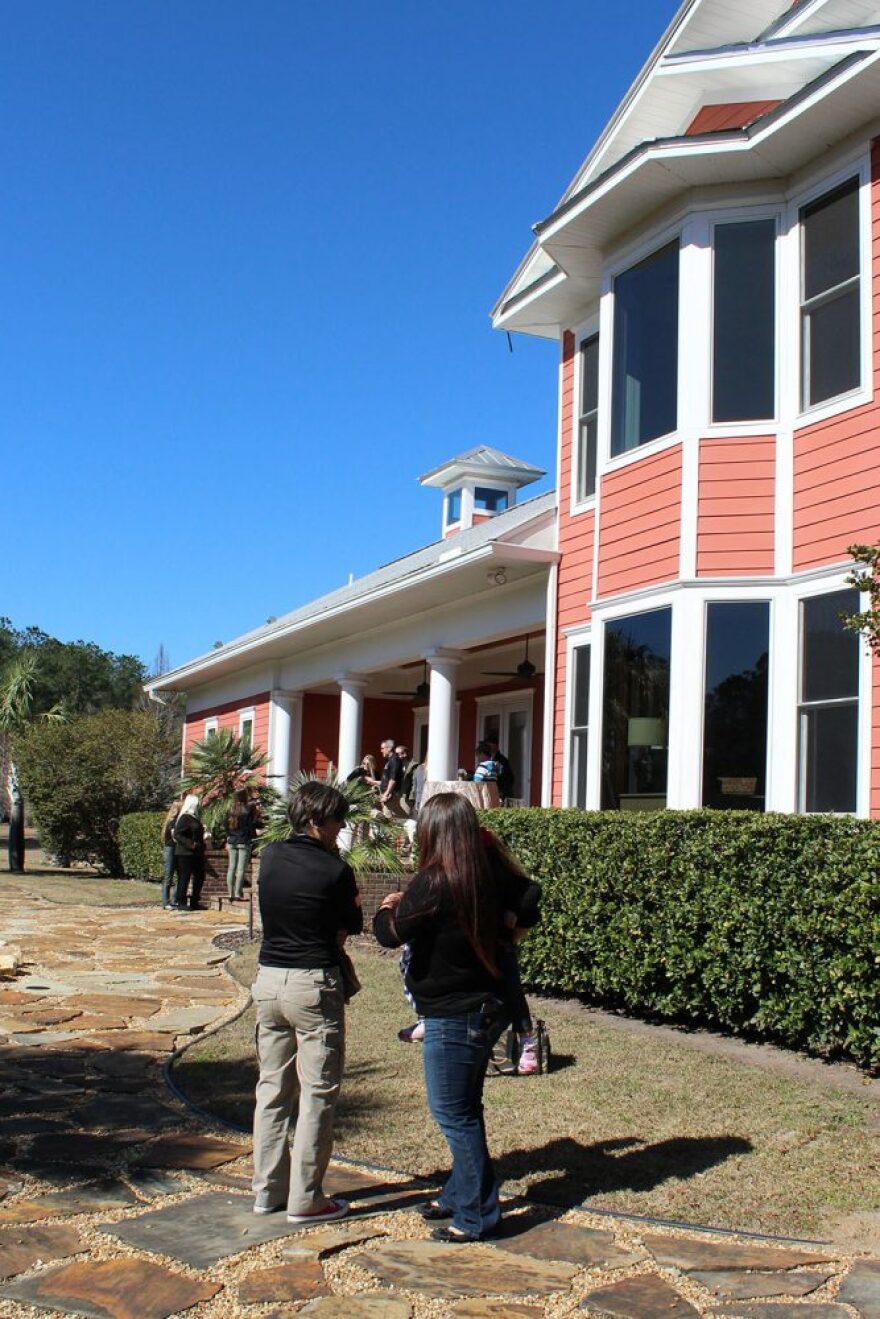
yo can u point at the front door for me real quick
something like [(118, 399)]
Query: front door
[(507, 720)]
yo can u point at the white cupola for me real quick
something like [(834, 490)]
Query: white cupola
[(477, 485)]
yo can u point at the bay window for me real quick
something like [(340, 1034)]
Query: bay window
[(644, 394), (635, 711), (744, 322), (735, 705), (830, 295)]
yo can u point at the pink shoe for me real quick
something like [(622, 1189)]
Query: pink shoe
[(528, 1057), (332, 1210)]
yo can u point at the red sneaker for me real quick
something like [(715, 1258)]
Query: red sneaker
[(326, 1214)]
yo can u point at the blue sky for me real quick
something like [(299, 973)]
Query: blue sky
[(249, 252)]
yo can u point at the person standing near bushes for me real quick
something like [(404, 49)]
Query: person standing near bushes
[(309, 904), (169, 859), (241, 825), (189, 852)]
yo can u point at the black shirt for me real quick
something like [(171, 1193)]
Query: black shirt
[(241, 825), (189, 836), (391, 770), (306, 895), (445, 977)]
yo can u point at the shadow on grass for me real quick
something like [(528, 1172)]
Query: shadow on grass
[(563, 1172)]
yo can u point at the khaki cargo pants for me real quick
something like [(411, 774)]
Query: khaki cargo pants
[(301, 1050)]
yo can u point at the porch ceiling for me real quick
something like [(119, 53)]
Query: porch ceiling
[(471, 674)]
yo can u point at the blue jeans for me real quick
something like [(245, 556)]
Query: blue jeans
[(168, 878), (456, 1055)]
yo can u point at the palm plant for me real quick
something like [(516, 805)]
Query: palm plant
[(221, 766), (16, 712), (368, 842)]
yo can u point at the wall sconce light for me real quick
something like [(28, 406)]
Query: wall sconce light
[(497, 576)]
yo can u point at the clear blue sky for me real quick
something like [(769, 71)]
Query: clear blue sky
[(248, 255)]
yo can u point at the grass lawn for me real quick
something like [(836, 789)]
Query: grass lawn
[(71, 887), (633, 1123)]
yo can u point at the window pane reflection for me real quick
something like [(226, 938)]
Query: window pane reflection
[(735, 708), (744, 364), (644, 401), (829, 741), (635, 711)]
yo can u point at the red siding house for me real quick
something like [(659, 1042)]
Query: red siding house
[(711, 279)]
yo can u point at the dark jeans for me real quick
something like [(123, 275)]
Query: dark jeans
[(456, 1055), (190, 868), (168, 878)]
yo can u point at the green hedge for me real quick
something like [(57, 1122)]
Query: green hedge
[(764, 925), (140, 844)]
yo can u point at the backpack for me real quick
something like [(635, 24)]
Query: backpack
[(504, 1059)]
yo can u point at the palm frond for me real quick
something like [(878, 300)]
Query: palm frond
[(219, 767)]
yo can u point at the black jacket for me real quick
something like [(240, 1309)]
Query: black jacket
[(189, 836), (306, 895), (446, 977)]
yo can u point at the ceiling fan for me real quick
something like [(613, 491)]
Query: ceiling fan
[(421, 693), (525, 669)]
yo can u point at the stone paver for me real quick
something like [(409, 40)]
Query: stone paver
[(645, 1297), (298, 1280), (201, 1231), (113, 1289), (862, 1288), (444, 1271), (90, 1130), (746, 1286), (22, 1249)]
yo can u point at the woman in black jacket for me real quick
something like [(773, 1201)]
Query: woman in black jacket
[(189, 850), (455, 916)]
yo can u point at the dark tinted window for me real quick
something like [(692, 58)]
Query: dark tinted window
[(589, 418), (735, 705), (493, 501), (744, 368), (830, 653), (635, 711), (580, 718), (829, 747), (645, 379), (830, 295)]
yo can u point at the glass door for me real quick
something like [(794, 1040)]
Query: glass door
[(508, 721)]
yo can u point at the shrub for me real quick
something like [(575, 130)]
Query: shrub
[(764, 925), (140, 844), (81, 777)]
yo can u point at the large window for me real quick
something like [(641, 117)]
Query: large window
[(635, 711), (580, 719), (585, 485), (831, 295), (828, 715), (744, 322), (735, 706), (644, 399)]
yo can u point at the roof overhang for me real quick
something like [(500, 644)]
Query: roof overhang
[(458, 573), (577, 236)]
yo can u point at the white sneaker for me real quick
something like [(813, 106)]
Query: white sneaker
[(331, 1210), (268, 1209)]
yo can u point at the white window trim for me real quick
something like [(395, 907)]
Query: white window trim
[(575, 639), (516, 698), (212, 725), (245, 715), (821, 183), (588, 329)]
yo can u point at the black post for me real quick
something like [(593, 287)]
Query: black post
[(16, 834)]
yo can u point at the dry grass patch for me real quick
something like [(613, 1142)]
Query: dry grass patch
[(633, 1124), (74, 888)]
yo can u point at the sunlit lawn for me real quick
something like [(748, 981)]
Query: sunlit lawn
[(632, 1123), (82, 886)]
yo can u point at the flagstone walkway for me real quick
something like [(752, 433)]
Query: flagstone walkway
[(117, 1201)]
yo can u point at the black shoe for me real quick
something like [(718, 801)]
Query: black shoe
[(456, 1238), (434, 1210)]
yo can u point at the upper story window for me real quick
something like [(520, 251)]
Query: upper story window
[(744, 322), (453, 506), (585, 479), (830, 295), (490, 501), (644, 395)]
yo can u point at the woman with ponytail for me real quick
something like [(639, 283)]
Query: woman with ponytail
[(457, 915)]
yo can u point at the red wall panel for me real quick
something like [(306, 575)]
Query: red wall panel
[(736, 507), (227, 716), (640, 523)]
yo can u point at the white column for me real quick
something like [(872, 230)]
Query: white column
[(442, 716), (685, 782), (351, 709), (284, 733)]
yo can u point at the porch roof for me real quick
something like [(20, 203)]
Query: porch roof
[(522, 539)]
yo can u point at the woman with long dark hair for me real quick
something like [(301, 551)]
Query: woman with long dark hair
[(455, 916), (241, 827)]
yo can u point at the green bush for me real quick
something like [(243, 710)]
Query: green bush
[(140, 844), (82, 776), (764, 925)]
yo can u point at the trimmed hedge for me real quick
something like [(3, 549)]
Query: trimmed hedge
[(140, 844), (764, 925)]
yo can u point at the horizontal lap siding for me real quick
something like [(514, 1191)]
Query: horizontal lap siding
[(640, 526), (575, 581), (227, 716), (320, 732), (735, 517)]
